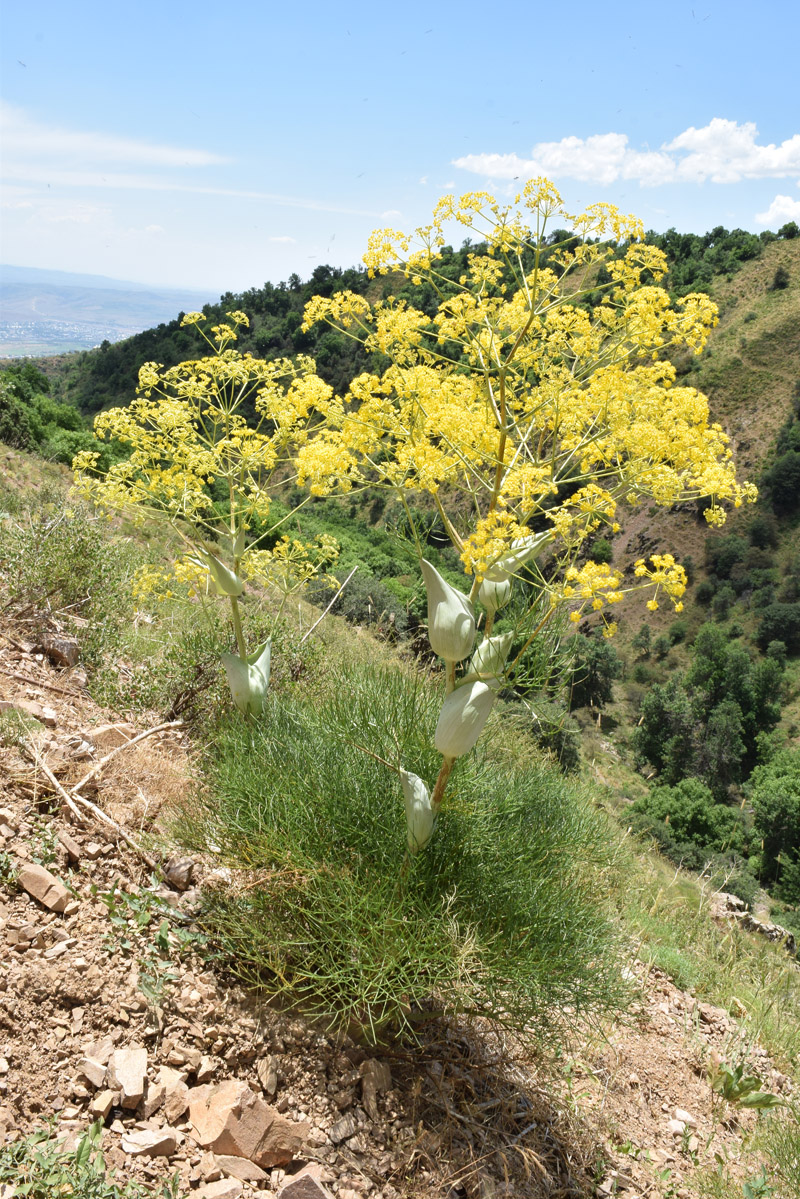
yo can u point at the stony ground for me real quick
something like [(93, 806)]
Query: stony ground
[(109, 1011)]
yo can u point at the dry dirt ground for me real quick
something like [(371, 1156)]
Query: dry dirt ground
[(463, 1115)]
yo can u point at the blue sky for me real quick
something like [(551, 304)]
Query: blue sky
[(209, 146)]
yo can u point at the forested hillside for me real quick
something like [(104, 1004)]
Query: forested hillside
[(703, 706)]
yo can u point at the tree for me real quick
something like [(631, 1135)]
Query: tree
[(781, 279), (597, 665), (775, 797)]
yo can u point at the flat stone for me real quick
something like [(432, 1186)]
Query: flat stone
[(684, 1117), (160, 1142), (127, 1073), (676, 1127), (109, 736), (93, 1070), (226, 1188), (42, 885), (240, 1167), (307, 1184), (231, 1120), (73, 849), (102, 1104)]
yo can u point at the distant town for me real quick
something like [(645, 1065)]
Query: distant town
[(35, 339)]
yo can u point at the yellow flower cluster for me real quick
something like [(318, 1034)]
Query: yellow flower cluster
[(517, 401), (291, 562), (665, 574), (491, 540), (188, 428)]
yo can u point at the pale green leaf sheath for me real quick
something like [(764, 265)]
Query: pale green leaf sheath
[(420, 816), (451, 619)]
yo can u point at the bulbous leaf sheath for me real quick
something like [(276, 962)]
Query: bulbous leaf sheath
[(489, 659), (420, 817), (248, 679), (451, 620), (224, 581), (494, 596), (463, 715), (524, 550)]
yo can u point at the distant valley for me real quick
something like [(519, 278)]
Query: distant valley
[(54, 312)]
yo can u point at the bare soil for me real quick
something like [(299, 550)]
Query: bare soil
[(467, 1113)]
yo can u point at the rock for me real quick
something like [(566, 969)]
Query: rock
[(71, 846), (160, 1142), (684, 1117), (342, 1129), (93, 1070), (44, 715), (307, 1184), (127, 1073), (240, 1167), (267, 1071), (230, 1119), (178, 873), (226, 1188), (61, 650), (375, 1077), (109, 736), (676, 1127), (101, 1104), (42, 885)]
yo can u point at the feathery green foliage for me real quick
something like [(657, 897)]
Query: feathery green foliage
[(503, 914)]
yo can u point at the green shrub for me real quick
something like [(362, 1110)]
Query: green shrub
[(503, 913)]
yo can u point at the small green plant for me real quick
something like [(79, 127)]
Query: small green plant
[(154, 946), (735, 1086), (8, 871), (758, 1186), (40, 1167)]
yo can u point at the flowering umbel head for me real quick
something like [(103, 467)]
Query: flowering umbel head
[(248, 679), (451, 620)]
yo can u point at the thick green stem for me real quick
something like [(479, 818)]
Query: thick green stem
[(237, 625), (441, 783)]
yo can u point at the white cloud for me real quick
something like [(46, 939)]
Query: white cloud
[(726, 152), (27, 139), (781, 210), (723, 151)]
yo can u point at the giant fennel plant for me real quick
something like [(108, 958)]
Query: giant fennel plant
[(526, 414), (189, 441)]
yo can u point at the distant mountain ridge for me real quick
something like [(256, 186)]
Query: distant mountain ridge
[(45, 312)]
